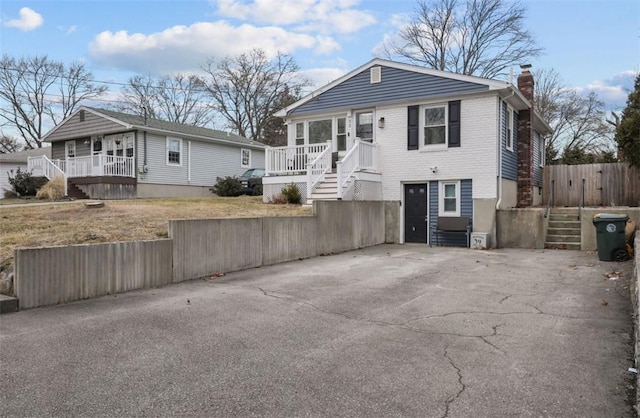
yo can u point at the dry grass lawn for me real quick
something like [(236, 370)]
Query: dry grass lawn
[(122, 220)]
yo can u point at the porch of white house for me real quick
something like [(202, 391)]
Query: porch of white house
[(95, 176), (321, 174)]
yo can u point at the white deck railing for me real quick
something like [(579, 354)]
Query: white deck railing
[(43, 166), (99, 165), (290, 160), (317, 168), (94, 165), (362, 156)]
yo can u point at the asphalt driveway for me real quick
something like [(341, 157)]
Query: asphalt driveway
[(386, 331)]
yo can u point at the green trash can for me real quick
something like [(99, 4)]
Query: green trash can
[(610, 236)]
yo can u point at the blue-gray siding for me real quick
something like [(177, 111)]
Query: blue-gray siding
[(537, 170), (509, 158), (396, 85), (466, 209)]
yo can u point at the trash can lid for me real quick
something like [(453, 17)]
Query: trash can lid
[(610, 217)]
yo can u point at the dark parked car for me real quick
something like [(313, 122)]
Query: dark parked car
[(252, 181)]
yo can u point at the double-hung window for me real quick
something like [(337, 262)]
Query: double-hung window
[(434, 122), (245, 158), (509, 127), (300, 133), (449, 198), (174, 151)]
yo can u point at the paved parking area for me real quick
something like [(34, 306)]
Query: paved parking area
[(385, 331)]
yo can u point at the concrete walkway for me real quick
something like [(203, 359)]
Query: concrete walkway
[(386, 331)]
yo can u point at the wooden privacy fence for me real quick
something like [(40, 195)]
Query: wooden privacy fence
[(612, 184)]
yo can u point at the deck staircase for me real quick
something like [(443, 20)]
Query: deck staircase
[(564, 229), (74, 192), (327, 189)]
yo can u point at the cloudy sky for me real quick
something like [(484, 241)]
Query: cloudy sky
[(593, 44)]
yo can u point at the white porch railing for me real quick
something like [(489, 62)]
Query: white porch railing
[(43, 166), (362, 156), (289, 160), (317, 168), (94, 165), (99, 165)]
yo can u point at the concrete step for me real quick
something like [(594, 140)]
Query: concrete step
[(563, 217), (563, 231), (564, 224), (562, 245), (565, 210), (564, 238)]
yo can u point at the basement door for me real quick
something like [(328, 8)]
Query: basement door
[(415, 213)]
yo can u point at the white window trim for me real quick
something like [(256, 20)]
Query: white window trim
[(242, 151), (374, 124), (441, 211), (509, 138), (421, 127), (67, 145), (541, 150), (169, 139)]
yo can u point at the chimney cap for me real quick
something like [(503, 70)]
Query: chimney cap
[(525, 67)]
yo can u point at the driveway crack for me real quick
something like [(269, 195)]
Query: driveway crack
[(452, 398)]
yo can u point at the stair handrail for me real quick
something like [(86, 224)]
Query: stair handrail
[(581, 201), (347, 166), (49, 169), (317, 168), (550, 199)]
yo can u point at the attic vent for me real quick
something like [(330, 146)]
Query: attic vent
[(376, 75), (82, 116)]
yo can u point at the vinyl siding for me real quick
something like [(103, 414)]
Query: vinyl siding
[(475, 159), (396, 85), (466, 209), (509, 158), (208, 161), (92, 125)]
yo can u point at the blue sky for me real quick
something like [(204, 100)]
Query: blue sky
[(593, 44)]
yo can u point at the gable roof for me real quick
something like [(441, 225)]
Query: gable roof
[(410, 82), (129, 121), (413, 81), (22, 156)]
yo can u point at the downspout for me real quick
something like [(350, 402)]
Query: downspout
[(144, 162), (499, 120)]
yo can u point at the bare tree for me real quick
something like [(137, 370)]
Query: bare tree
[(477, 37), (579, 123), (36, 93), (9, 144), (179, 98), (247, 89)]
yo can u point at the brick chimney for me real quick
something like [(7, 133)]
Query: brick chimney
[(525, 139)]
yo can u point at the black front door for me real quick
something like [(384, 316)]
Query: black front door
[(415, 213)]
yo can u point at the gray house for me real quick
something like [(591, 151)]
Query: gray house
[(111, 155), (449, 148), (17, 160)]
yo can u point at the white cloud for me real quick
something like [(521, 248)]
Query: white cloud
[(29, 20), (613, 91), (318, 16), (183, 48), (322, 76)]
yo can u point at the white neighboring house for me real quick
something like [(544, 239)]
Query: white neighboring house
[(443, 145), (13, 161), (112, 155)]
